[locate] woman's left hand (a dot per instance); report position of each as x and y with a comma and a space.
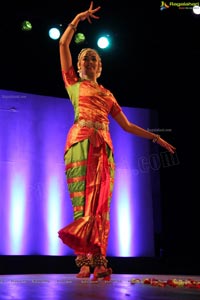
166, 145
90, 13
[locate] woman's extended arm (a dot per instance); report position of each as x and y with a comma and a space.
122, 120
65, 40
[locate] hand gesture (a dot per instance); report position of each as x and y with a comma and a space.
166, 145
90, 13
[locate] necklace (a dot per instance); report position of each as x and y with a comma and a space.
94, 83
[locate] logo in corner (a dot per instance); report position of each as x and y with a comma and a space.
164, 5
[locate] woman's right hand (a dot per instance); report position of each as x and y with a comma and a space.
90, 13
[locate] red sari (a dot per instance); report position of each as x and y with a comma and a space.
90, 169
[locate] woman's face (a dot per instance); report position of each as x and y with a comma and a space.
89, 65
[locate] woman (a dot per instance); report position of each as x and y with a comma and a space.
89, 154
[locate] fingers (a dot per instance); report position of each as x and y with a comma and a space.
167, 146
88, 18
171, 149
91, 5
91, 12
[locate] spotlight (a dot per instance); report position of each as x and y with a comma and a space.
79, 38
54, 33
26, 25
196, 10
103, 42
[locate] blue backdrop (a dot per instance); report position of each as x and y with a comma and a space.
34, 200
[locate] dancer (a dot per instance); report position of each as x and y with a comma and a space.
89, 153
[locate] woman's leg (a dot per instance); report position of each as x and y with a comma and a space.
77, 171
100, 268
76, 166
100, 262
83, 261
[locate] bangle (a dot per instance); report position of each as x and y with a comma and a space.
156, 138
72, 26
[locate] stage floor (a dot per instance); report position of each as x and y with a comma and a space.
120, 287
